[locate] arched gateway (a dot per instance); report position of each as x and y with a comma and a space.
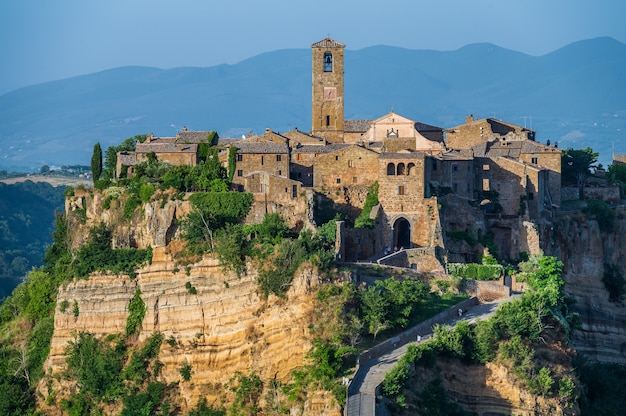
401, 233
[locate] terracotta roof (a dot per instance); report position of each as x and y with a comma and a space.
356, 126
328, 43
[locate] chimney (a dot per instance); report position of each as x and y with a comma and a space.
184, 129
469, 119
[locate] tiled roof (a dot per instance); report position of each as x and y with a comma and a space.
222, 142
194, 136
166, 148
328, 43
356, 126
262, 147
331, 147
298, 136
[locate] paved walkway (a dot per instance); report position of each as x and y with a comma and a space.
362, 389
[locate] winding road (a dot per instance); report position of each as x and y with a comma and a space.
361, 399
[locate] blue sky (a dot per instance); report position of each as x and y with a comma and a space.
43, 40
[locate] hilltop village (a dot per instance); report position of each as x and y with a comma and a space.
484, 178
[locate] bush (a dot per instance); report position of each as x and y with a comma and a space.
145, 192
185, 371
136, 313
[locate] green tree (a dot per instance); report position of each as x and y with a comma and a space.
44, 170
576, 167
96, 162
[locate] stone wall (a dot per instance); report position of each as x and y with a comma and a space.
609, 193
350, 166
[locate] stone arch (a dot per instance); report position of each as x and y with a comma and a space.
411, 169
400, 168
391, 169
402, 233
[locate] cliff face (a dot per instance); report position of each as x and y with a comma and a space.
491, 390
584, 250
225, 327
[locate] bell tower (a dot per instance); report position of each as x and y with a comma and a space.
327, 79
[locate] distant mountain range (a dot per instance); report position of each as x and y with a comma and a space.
575, 96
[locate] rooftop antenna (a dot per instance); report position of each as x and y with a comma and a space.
524, 117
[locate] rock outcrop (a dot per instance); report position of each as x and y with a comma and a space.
584, 250
490, 390
224, 327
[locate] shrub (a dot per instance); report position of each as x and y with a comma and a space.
364, 220
130, 206
185, 371
136, 313
145, 192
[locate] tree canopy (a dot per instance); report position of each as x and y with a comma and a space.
576, 167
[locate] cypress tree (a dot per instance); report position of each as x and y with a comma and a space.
96, 162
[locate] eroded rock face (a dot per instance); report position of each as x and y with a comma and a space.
585, 250
491, 390
223, 328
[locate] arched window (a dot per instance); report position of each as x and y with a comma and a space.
400, 168
411, 169
328, 62
391, 169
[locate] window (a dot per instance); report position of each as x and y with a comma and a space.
434, 165
533, 160
401, 190
400, 168
338, 180
262, 158
336, 157
327, 120
239, 158
454, 168
280, 173
485, 167
350, 164
485, 184
531, 196
328, 62
391, 169
354, 179
278, 158
294, 191
240, 172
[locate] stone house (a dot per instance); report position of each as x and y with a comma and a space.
265, 153
177, 151
349, 165
475, 132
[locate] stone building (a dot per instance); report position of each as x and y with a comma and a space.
183, 149
475, 132
268, 153
350, 165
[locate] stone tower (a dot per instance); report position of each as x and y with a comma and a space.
327, 79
